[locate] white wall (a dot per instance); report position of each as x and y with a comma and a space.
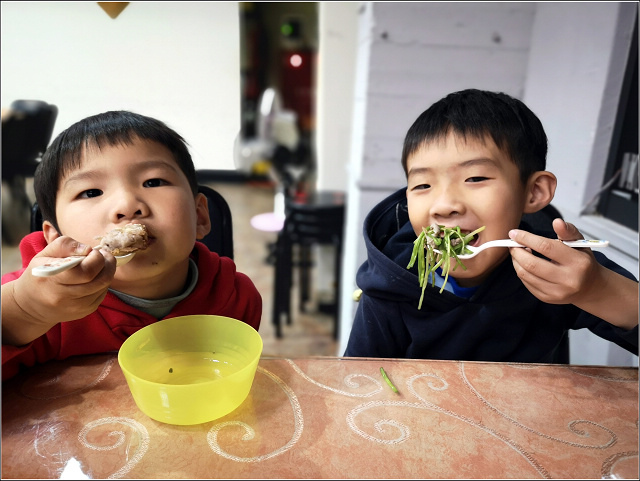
335, 84
558, 57
176, 61
579, 52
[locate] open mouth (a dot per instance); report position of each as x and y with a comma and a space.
475, 241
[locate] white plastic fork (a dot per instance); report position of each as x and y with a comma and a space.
65, 263
589, 243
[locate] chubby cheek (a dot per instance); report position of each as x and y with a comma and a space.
179, 227
185, 217
500, 213
80, 228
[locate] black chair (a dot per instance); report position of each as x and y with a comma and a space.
26, 132
317, 220
219, 240
36, 218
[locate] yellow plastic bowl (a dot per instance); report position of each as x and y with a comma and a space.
191, 369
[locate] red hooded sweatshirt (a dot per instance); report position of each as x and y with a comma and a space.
220, 290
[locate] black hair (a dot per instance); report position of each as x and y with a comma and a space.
514, 128
106, 129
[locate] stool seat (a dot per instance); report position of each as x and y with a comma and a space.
313, 219
267, 222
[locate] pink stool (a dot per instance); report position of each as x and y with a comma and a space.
268, 222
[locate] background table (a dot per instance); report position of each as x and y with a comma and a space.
333, 418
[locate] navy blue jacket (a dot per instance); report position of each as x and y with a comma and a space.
501, 321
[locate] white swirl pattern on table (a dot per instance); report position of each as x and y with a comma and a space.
120, 438
212, 435
405, 432
610, 463
572, 425
348, 380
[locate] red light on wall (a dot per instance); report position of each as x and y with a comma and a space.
295, 60
296, 84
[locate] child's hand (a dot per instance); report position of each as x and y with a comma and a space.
32, 305
574, 276
566, 274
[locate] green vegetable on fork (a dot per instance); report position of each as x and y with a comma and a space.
434, 247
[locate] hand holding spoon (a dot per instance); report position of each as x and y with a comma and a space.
126, 240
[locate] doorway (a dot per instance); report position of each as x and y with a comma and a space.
278, 48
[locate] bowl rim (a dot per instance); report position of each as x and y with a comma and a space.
251, 365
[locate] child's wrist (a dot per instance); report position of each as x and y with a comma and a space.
19, 325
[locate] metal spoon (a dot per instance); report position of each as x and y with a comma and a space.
590, 243
65, 263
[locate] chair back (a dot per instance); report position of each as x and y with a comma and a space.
219, 240
25, 136
322, 225
319, 220
36, 218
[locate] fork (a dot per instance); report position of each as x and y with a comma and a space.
589, 243
65, 263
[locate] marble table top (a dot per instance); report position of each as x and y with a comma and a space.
332, 418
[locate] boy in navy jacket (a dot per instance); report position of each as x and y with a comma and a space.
473, 159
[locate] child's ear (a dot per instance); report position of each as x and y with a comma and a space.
541, 187
203, 222
50, 232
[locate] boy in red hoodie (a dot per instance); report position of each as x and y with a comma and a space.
102, 173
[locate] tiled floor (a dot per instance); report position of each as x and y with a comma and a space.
309, 333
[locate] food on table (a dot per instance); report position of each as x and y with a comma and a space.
124, 240
386, 378
441, 244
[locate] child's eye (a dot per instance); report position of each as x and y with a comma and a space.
422, 187
476, 179
155, 183
90, 193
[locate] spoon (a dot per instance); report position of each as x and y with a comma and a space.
590, 243
65, 263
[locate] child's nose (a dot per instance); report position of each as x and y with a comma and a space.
128, 206
447, 202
